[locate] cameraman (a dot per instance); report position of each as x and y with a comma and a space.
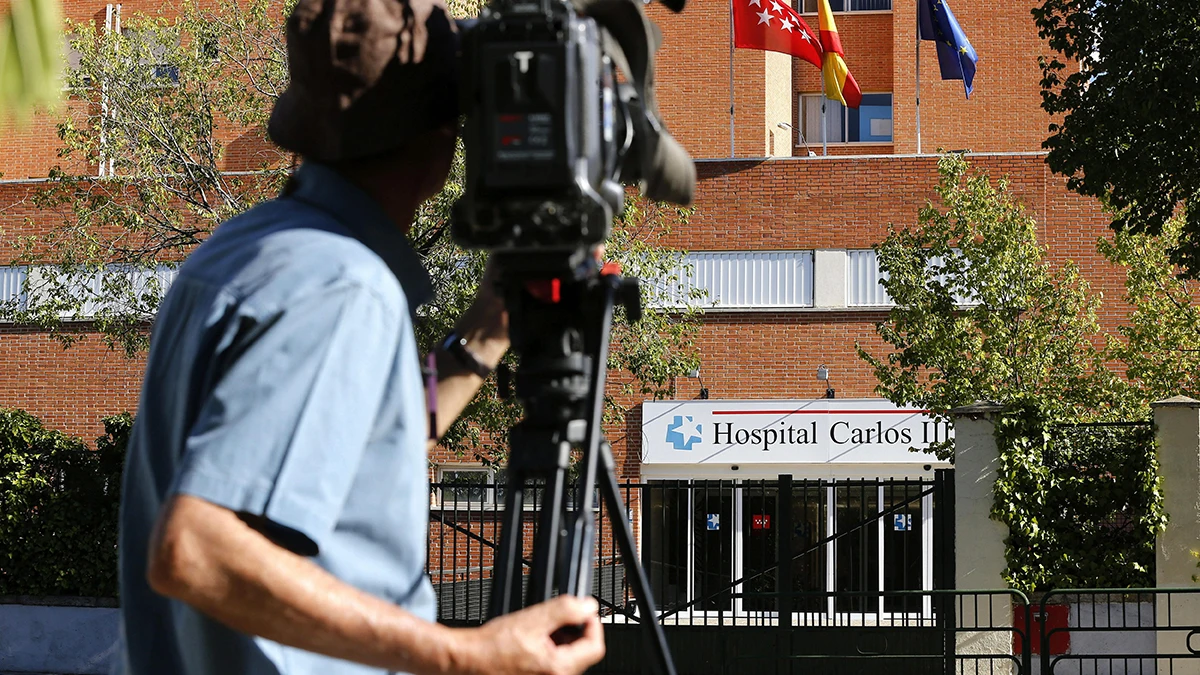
275, 507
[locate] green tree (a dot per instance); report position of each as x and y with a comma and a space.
980, 314
157, 110
1159, 342
154, 111
1127, 132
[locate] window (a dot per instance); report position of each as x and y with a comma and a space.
738, 280
118, 288
12, 287
870, 123
73, 58
153, 49
810, 6
865, 287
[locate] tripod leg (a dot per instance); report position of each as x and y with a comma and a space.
507, 574
623, 534
549, 536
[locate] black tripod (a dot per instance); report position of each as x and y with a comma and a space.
560, 329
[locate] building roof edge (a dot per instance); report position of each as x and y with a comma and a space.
927, 155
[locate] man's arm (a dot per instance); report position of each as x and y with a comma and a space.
484, 326
206, 556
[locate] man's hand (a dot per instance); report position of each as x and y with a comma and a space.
521, 644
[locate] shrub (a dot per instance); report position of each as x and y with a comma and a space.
59, 502
1083, 503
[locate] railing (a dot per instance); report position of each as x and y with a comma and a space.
747, 623
1119, 631
465, 522
712, 549
943, 632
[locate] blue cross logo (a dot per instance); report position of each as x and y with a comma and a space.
683, 431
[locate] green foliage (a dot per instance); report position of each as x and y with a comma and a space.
1127, 131
1083, 504
153, 107
1159, 342
981, 315
31, 56
60, 502
645, 357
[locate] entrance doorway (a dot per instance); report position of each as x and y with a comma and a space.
717, 547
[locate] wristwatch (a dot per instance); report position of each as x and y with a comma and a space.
456, 345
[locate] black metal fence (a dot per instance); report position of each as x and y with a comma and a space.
963, 632
465, 520
1119, 631
717, 555
722, 551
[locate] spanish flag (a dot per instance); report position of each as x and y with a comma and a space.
839, 83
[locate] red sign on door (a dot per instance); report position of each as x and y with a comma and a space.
760, 522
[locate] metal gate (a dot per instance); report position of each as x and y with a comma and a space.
777, 576
804, 576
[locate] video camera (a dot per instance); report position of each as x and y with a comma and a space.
552, 132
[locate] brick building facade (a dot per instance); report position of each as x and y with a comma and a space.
774, 198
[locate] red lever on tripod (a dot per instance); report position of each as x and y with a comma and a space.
546, 290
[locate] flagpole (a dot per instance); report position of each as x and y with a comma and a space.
731, 79
824, 117
917, 7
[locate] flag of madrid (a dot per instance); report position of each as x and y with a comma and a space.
773, 25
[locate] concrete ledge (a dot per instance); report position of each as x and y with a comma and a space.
1176, 402
978, 408
64, 640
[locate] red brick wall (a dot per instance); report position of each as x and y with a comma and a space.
69, 389
741, 205
29, 148
795, 203
694, 84
1003, 114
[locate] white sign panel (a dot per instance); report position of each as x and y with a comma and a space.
825, 431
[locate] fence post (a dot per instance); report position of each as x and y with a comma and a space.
979, 557
943, 565
784, 537
1177, 420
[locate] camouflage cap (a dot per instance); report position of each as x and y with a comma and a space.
366, 76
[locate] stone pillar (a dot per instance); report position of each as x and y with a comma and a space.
1178, 422
979, 540
778, 104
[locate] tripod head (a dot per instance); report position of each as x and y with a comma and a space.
556, 319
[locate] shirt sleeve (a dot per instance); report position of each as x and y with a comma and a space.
282, 431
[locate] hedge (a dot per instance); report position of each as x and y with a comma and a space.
1083, 503
59, 502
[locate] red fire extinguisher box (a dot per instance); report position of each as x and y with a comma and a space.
1056, 627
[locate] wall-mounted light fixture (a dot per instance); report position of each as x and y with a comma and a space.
787, 127
823, 376
695, 374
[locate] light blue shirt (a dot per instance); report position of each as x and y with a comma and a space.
283, 381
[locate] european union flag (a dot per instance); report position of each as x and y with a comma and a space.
956, 56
